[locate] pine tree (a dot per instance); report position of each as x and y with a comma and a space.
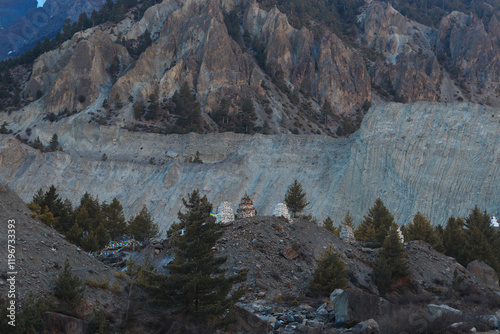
348, 221
391, 258
379, 221
69, 287
330, 274
454, 238
295, 198
142, 226
197, 285
328, 224
421, 229
54, 143
477, 247
114, 219
75, 234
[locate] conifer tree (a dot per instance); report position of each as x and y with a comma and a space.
328, 224
197, 285
390, 259
142, 226
75, 234
477, 247
69, 287
295, 198
454, 238
420, 229
114, 219
54, 143
348, 221
330, 274
376, 224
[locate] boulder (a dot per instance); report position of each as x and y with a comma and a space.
352, 306
484, 273
247, 322
59, 323
437, 311
366, 327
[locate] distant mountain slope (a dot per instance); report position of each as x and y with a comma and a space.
21, 34
12, 10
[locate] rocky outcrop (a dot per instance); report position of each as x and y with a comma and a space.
473, 56
59, 323
408, 67
434, 158
352, 306
72, 77
484, 273
332, 72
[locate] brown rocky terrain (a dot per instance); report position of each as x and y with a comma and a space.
40, 253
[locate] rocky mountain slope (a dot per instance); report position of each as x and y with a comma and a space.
40, 253
128, 72
429, 157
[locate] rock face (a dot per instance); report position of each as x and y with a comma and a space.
484, 273
425, 157
60, 323
333, 73
87, 57
408, 66
352, 306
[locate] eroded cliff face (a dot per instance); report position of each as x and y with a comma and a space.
74, 76
459, 61
408, 66
434, 158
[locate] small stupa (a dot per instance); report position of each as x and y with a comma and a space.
225, 213
280, 210
494, 222
246, 208
347, 234
400, 235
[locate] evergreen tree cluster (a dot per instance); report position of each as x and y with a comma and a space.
240, 121
197, 287
375, 226
91, 224
472, 238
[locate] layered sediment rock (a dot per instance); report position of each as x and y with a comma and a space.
434, 158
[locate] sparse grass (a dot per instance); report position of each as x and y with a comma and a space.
120, 274
116, 288
96, 284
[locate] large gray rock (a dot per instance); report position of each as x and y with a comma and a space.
484, 273
247, 322
437, 311
352, 306
366, 327
60, 323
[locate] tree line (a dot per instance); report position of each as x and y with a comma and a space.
91, 224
